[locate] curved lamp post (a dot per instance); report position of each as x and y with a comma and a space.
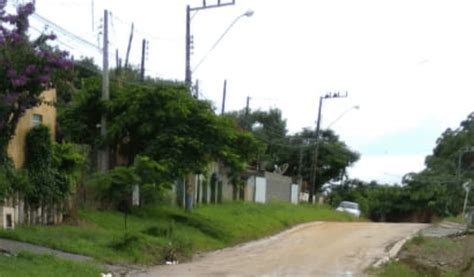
248, 13
356, 107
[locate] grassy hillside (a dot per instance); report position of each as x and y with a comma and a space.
159, 233
28, 264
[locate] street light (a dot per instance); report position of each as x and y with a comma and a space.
314, 170
356, 107
248, 13
189, 9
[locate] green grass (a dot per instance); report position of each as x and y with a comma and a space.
426, 249
160, 232
27, 264
429, 246
457, 219
394, 269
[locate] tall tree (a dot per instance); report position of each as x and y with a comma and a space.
439, 186
27, 68
296, 151
270, 128
334, 156
161, 120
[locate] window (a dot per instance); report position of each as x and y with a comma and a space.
37, 119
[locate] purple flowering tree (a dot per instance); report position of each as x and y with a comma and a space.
27, 68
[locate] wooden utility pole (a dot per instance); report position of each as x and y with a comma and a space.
142, 68
247, 112
224, 94
129, 47
104, 152
314, 168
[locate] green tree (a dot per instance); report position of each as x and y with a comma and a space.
268, 127
27, 68
334, 156
439, 186
158, 119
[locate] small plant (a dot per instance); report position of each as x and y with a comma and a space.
161, 231
418, 240
128, 241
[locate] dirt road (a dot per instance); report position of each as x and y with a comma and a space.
315, 249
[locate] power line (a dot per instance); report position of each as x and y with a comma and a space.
64, 31
144, 33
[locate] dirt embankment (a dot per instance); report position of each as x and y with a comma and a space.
436, 256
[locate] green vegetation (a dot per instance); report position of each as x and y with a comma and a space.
27, 68
435, 191
424, 256
28, 264
432, 246
456, 219
295, 153
156, 233
394, 269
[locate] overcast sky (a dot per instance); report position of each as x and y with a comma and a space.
408, 64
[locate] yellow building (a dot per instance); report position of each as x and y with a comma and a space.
13, 210
44, 114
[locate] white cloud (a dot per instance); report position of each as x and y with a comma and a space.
387, 168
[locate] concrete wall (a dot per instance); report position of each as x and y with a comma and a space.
16, 148
250, 189
278, 187
7, 212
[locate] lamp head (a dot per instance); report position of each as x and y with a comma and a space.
248, 13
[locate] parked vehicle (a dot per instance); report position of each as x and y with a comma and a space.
349, 207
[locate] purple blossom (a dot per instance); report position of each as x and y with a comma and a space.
43, 79
15, 38
33, 63
10, 98
11, 73
26, 10
19, 82
30, 69
51, 37
10, 18
47, 69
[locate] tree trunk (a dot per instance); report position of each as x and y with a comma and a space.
189, 193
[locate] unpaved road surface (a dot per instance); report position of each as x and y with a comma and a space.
315, 249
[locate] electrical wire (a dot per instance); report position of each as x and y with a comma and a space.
64, 31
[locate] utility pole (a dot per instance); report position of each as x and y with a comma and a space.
189, 9
247, 112
187, 79
142, 68
315, 171
300, 163
92, 15
128, 47
224, 94
196, 89
104, 152
188, 82
117, 59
